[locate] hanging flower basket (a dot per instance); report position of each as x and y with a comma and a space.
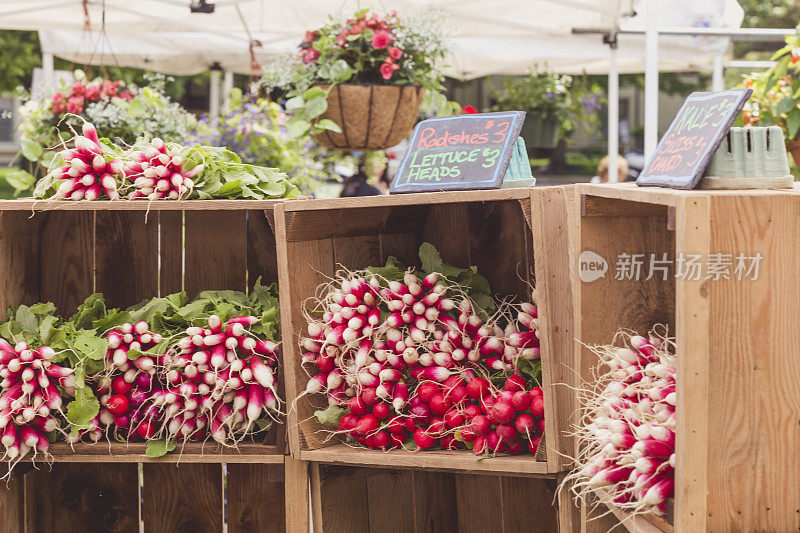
540, 131
372, 116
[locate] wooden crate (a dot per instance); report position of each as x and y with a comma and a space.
347, 499
62, 252
488, 229
737, 466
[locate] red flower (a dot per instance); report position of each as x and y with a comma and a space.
110, 88
395, 53
311, 54
468, 110
310, 36
78, 88
92, 93
387, 71
58, 98
126, 95
382, 39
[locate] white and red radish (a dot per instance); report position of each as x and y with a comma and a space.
88, 172
157, 171
627, 433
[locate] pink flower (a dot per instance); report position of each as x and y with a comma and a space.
311, 54
109, 88
58, 98
382, 39
395, 53
92, 93
310, 36
387, 71
126, 95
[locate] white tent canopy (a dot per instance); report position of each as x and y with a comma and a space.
165, 35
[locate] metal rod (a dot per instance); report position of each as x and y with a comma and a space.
613, 117
651, 80
736, 34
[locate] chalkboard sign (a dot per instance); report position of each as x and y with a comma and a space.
685, 150
459, 152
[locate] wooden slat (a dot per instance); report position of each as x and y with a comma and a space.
555, 260
126, 257
592, 206
261, 259
302, 267
355, 253
12, 505
65, 248
297, 495
29, 204
528, 505
75, 498
255, 502
445, 229
753, 413
191, 452
497, 247
432, 198
390, 508
569, 511
435, 503
182, 498
171, 252
403, 246
457, 461
19, 259
344, 504
658, 195
693, 235
215, 250
480, 506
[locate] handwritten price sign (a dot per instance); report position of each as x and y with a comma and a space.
460, 152
685, 150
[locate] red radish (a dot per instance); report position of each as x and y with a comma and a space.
439, 404
537, 407
423, 439
503, 412
521, 401
477, 388
525, 424
514, 383
480, 425
381, 410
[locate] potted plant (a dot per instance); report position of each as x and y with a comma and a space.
358, 83
776, 96
554, 104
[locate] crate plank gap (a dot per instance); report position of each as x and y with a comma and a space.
63, 252
737, 414
493, 230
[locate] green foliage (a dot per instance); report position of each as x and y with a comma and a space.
159, 448
330, 417
571, 101
19, 55
776, 92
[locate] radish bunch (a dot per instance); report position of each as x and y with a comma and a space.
30, 398
627, 431
400, 357
157, 172
220, 382
128, 382
87, 172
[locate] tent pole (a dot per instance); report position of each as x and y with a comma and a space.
48, 70
227, 87
613, 116
651, 80
213, 94
717, 75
